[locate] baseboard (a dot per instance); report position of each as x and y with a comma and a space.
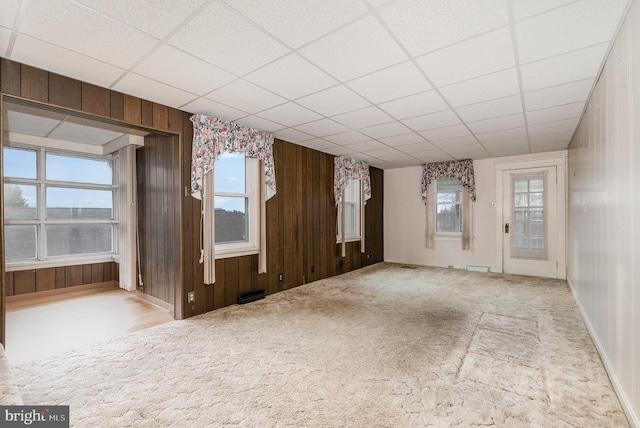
61, 291
632, 416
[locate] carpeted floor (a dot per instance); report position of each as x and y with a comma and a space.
384, 346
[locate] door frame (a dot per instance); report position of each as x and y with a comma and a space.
560, 163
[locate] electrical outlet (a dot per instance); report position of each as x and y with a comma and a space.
191, 296
280, 277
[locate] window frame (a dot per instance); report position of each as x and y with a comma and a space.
443, 234
357, 235
252, 193
41, 222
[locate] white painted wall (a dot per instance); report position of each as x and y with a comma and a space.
404, 218
604, 211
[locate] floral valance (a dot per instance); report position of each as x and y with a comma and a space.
212, 136
462, 170
344, 169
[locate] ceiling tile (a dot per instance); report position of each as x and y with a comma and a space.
426, 25
508, 151
515, 142
306, 20
382, 152
414, 149
5, 35
236, 45
152, 90
497, 123
435, 157
367, 146
292, 136
365, 117
575, 26
317, 144
403, 140
403, 162
81, 133
183, 71
338, 150
551, 147
481, 55
445, 132
260, 123
578, 65
431, 121
506, 134
212, 108
552, 127
291, 77
28, 50
9, 12
558, 95
465, 140
333, 101
391, 83
360, 156
552, 114
23, 123
526, 8
377, 163
289, 114
350, 137
385, 130
322, 127
483, 88
85, 31
415, 105
360, 48
155, 17
245, 96
490, 109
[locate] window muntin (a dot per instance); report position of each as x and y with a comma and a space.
529, 230
448, 206
65, 218
352, 205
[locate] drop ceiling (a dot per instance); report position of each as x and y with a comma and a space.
395, 83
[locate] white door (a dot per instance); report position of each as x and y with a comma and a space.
530, 216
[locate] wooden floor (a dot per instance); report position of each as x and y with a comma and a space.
39, 328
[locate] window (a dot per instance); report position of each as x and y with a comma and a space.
352, 205
236, 203
449, 206
58, 205
528, 231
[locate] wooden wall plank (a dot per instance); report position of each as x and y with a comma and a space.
73, 275
45, 279
9, 77
231, 281
8, 278
107, 270
61, 281
95, 100
132, 109
65, 92
34, 83
160, 116
117, 105
97, 273
86, 274
24, 281
175, 122
245, 274
146, 112
219, 286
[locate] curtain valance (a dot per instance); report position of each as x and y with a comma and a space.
462, 170
344, 169
212, 136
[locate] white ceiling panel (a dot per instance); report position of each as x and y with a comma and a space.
181, 70
490, 109
578, 65
363, 118
292, 135
292, 77
260, 123
391, 83
383, 152
475, 57
415, 105
496, 85
83, 134
575, 26
155, 17
445, 132
306, 20
333, 101
153, 91
347, 138
505, 134
233, 43
80, 30
526, 8
433, 120
9, 12
558, 95
246, 96
403, 140
416, 149
552, 114
289, 114
5, 35
212, 108
497, 123
338, 150
519, 143
549, 147
24, 123
553, 127
435, 157
465, 140
360, 48
366, 146
423, 26
385, 130
317, 144
322, 127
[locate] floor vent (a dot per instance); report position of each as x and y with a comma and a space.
250, 297
473, 268
407, 267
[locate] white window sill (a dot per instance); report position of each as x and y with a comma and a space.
238, 252
75, 261
448, 237
348, 239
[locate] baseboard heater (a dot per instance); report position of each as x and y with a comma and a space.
252, 296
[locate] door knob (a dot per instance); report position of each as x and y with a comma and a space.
506, 228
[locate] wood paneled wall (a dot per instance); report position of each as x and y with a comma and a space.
301, 218
34, 280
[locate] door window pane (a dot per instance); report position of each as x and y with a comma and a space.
528, 228
229, 173
231, 219
85, 204
73, 239
20, 242
20, 202
78, 170
19, 163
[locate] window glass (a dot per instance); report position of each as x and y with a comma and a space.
20, 163
20, 202
20, 243
231, 219
351, 211
448, 206
229, 174
86, 204
78, 170
74, 239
